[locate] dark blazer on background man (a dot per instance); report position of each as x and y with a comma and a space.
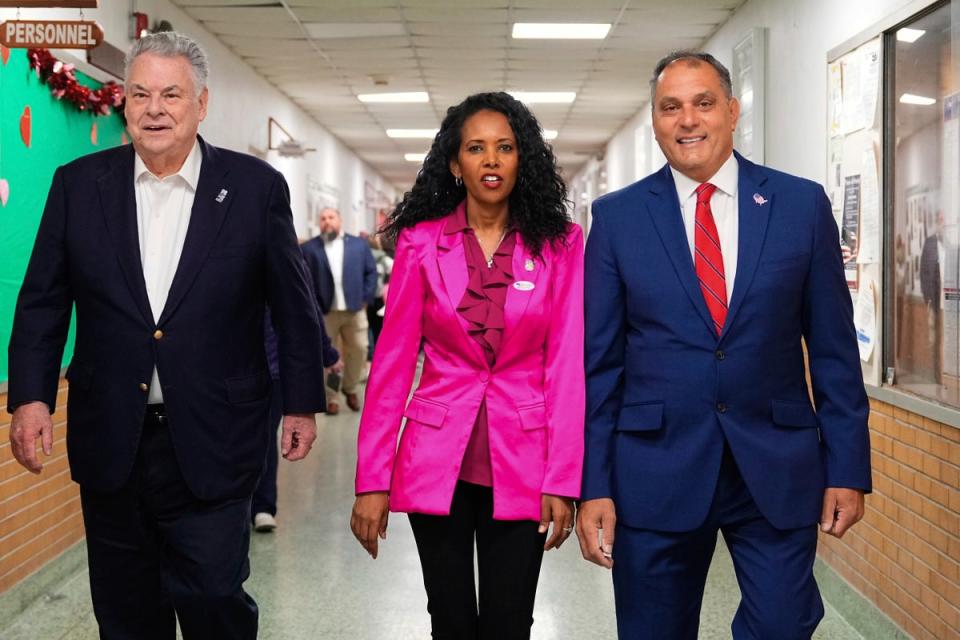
664, 391
240, 255
359, 272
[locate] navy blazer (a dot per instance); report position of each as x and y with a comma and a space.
240, 254
664, 392
359, 273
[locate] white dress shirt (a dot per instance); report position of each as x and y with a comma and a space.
334, 250
163, 214
726, 213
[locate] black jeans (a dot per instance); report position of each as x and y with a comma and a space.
155, 549
509, 553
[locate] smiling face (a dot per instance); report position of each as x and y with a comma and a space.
488, 160
693, 119
163, 110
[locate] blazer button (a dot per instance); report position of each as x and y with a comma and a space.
484, 378
722, 408
157, 334
144, 386
720, 354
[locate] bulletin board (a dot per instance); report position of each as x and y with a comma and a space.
854, 185
38, 133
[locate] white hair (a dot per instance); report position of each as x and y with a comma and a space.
170, 44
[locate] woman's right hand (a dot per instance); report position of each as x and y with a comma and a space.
369, 519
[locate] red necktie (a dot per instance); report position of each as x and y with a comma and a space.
709, 259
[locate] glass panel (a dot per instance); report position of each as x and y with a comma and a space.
926, 308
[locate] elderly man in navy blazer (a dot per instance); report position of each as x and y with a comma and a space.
170, 250
703, 283
345, 279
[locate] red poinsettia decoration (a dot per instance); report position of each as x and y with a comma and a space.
63, 84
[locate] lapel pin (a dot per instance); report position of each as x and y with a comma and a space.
223, 194
759, 199
528, 265
523, 285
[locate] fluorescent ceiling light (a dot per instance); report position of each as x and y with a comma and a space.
550, 134
545, 97
415, 157
408, 96
909, 98
909, 35
411, 133
330, 30
560, 31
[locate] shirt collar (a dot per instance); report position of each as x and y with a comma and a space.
457, 220
725, 179
189, 171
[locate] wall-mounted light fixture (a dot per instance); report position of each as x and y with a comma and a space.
288, 147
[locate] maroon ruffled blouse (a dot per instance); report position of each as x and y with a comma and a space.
482, 307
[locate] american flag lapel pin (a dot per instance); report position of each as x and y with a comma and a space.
222, 195
759, 199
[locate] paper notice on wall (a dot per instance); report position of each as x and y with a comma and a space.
870, 81
869, 249
865, 321
851, 115
850, 229
835, 96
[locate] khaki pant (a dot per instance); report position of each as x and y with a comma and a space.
348, 330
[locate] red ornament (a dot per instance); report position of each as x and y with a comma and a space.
61, 79
25, 128
4, 54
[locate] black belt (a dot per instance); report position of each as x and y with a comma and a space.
156, 414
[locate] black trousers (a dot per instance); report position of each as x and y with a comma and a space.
265, 495
157, 554
509, 553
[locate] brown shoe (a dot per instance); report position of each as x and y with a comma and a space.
353, 401
333, 408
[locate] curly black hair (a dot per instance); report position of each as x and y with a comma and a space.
538, 202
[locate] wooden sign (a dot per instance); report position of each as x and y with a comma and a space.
50, 4
50, 34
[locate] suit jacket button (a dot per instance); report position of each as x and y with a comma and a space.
720, 354
484, 378
157, 334
722, 408
144, 386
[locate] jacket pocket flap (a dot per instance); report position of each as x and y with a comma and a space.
793, 414
248, 388
533, 416
426, 412
80, 377
641, 417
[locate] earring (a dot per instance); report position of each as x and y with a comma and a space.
458, 181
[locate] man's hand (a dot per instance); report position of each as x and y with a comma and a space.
369, 519
336, 367
595, 518
559, 511
842, 508
299, 432
31, 422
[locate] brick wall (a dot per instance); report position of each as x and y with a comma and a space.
905, 554
39, 515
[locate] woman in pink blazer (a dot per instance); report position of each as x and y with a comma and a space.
488, 281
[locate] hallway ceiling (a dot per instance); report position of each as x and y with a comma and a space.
320, 54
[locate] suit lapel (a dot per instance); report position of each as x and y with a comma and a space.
119, 206
754, 205
668, 221
517, 301
210, 205
452, 264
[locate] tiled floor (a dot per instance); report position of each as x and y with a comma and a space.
312, 580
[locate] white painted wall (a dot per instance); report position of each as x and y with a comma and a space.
799, 35
240, 103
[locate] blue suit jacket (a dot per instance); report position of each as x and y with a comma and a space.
240, 255
664, 392
359, 272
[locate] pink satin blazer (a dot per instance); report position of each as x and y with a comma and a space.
534, 392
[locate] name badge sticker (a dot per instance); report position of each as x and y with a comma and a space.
523, 285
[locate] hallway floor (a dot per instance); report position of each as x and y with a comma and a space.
311, 579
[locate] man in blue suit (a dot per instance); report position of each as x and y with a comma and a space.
345, 281
169, 250
703, 283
